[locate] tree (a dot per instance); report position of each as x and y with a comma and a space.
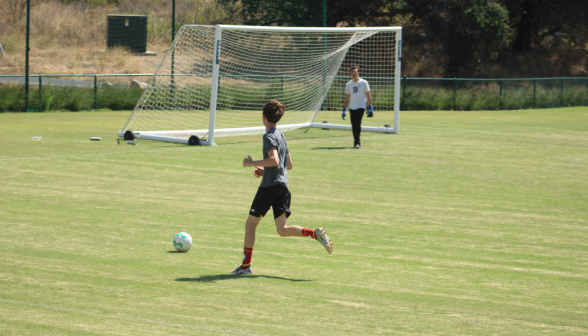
466, 32
305, 13
477, 30
355, 12
461, 33
537, 22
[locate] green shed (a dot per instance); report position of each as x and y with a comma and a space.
128, 31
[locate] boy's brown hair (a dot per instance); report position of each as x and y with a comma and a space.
353, 68
273, 111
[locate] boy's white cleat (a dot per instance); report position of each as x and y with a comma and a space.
240, 270
322, 238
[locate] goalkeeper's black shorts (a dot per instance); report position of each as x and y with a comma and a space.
277, 197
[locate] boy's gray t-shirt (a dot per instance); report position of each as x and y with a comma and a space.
278, 174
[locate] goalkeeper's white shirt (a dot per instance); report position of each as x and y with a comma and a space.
356, 92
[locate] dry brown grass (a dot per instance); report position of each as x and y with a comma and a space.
71, 38
66, 38
88, 59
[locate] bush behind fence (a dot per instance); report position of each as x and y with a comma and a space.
492, 94
75, 93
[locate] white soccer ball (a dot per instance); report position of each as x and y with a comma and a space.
182, 242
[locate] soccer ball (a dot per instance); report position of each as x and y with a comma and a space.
182, 242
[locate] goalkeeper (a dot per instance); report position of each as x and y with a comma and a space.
273, 191
357, 91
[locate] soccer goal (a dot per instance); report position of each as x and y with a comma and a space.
214, 81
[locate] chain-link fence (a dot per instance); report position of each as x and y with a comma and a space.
72, 92
122, 92
492, 94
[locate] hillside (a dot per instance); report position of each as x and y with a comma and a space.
69, 37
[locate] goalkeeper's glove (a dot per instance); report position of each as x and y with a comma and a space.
370, 111
343, 115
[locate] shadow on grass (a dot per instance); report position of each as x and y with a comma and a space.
215, 278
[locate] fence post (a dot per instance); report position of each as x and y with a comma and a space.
562, 92
402, 102
534, 91
500, 103
95, 91
40, 92
454, 91
27, 54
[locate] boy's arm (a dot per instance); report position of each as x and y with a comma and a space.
347, 97
258, 171
368, 95
272, 161
346, 102
289, 164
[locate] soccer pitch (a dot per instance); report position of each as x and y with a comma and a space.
465, 223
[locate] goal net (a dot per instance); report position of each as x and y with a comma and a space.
215, 80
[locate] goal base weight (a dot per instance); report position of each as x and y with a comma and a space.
189, 142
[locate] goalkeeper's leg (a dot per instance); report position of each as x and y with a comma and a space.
356, 116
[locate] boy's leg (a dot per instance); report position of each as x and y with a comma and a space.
354, 126
281, 208
356, 116
250, 226
259, 208
294, 230
287, 231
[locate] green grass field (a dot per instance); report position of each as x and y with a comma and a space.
465, 223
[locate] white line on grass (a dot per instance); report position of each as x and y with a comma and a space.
129, 318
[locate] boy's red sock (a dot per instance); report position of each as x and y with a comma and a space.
247, 257
308, 233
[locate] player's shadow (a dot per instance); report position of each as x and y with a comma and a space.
215, 278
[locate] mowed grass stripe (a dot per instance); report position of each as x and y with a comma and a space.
180, 326
465, 223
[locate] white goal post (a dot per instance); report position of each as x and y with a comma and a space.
215, 80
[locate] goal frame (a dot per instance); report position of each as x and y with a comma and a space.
312, 124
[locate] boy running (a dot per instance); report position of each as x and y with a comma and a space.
273, 191
356, 93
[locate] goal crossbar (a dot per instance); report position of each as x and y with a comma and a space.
304, 29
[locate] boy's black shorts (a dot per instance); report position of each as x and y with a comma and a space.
277, 196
